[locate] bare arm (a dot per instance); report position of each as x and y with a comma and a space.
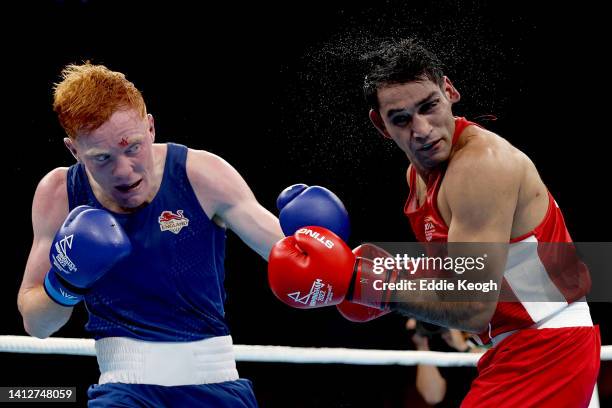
42, 316
481, 191
483, 212
429, 382
226, 197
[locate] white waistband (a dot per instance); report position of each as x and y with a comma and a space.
132, 361
576, 314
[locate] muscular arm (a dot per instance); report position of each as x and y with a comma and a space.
226, 197
42, 316
482, 187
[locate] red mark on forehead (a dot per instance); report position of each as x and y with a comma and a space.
123, 142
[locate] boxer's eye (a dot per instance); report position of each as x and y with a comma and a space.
134, 148
400, 120
429, 106
101, 158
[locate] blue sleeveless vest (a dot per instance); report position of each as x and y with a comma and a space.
170, 288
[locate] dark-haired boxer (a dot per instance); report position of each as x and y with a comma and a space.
467, 185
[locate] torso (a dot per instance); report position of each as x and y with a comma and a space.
537, 219
170, 288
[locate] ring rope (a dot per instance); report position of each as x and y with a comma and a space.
271, 354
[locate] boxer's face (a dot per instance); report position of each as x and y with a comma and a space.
118, 157
418, 117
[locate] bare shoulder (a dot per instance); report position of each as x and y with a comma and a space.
215, 182
200, 162
207, 171
484, 171
487, 156
50, 204
505, 178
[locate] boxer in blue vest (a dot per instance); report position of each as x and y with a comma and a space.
136, 230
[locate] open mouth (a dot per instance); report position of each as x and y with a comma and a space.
429, 146
128, 187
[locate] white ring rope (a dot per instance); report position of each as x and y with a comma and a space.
271, 354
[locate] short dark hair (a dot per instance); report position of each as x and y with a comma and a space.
399, 62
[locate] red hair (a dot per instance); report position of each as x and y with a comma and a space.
89, 94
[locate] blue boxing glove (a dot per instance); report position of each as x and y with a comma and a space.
87, 245
300, 206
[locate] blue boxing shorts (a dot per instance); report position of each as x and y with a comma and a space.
228, 394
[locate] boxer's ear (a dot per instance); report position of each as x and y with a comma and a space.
450, 91
378, 123
69, 143
151, 122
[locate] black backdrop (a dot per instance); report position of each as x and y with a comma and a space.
275, 90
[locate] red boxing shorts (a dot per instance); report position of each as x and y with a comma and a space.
538, 368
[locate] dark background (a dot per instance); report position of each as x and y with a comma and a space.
276, 91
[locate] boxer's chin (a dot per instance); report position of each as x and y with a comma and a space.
132, 198
435, 156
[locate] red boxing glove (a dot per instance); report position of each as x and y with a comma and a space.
312, 268
354, 311
315, 268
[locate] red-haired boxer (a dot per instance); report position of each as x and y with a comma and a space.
146, 254
467, 185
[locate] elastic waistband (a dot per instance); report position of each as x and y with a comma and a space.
132, 361
576, 314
